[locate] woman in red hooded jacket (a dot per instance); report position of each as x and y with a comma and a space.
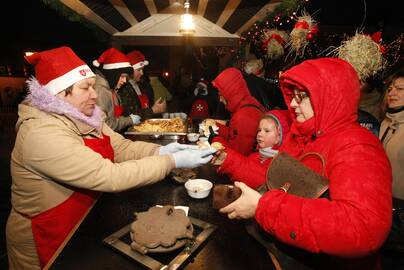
352, 224
245, 111
251, 170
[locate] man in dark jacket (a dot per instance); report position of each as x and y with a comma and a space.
266, 91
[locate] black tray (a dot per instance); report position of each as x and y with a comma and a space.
173, 260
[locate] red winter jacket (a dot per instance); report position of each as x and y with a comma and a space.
242, 127
252, 169
356, 218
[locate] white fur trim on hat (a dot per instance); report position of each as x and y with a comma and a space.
96, 63
68, 79
116, 65
141, 64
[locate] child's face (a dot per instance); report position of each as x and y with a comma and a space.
268, 133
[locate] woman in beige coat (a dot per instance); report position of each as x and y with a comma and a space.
65, 155
392, 136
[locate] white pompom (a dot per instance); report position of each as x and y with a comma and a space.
96, 63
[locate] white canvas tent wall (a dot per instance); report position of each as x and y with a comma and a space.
159, 22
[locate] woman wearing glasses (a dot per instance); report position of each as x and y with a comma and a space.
350, 225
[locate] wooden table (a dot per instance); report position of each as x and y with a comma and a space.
229, 247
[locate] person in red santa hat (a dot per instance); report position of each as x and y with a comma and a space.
113, 72
65, 155
251, 170
137, 95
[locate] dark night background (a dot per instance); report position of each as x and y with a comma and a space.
30, 25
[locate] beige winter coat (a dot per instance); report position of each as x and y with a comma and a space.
106, 103
394, 146
50, 160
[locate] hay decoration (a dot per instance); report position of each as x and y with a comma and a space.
274, 42
303, 31
254, 66
364, 54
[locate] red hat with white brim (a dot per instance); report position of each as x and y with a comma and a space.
137, 59
112, 59
57, 69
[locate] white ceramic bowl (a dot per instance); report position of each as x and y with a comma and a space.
198, 188
192, 137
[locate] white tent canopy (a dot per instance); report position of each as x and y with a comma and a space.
164, 29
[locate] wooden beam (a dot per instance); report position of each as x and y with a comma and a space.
202, 7
123, 9
172, 41
228, 10
86, 12
261, 14
151, 6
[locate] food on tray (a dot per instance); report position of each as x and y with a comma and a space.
160, 229
205, 124
217, 145
161, 125
182, 175
209, 122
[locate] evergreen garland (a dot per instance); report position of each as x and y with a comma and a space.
72, 16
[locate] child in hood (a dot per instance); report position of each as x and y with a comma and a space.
273, 128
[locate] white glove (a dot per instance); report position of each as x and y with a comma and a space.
193, 158
135, 118
175, 147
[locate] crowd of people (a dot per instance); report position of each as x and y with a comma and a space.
69, 148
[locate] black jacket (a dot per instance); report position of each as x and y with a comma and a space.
265, 91
131, 103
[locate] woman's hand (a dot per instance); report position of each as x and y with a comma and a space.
213, 122
174, 147
245, 206
222, 122
219, 158
159, 106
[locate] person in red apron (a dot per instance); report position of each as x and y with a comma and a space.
113, 72
137, 95
65, 156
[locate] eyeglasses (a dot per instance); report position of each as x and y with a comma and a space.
299, 95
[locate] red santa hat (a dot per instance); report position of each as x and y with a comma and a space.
137, 59
112, 59
59, 68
